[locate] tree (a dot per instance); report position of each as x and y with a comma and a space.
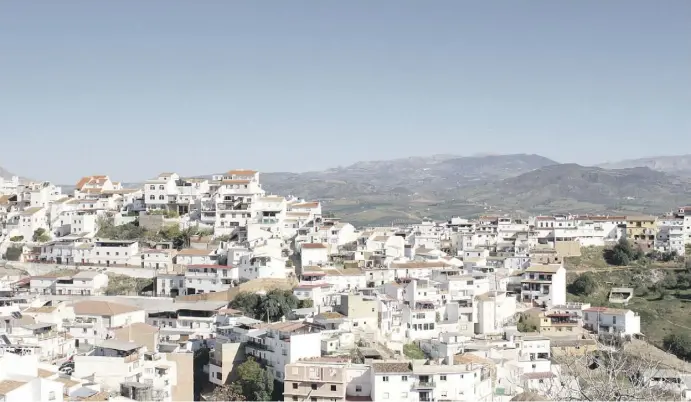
16, 238
526, 324
584, 285
305, 303
413, 351
201, 358
270, 307
678, 344
13, 253
40, 236
254, 383
607, 373
231, 392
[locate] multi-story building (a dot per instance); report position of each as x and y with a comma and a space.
235, 200
86, 283
457, 380
641, 230
207, 278
603, 320
195, 320
544, 284
282, 343
326, 380
670, 234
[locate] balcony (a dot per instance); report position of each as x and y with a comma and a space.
424, 385
132, 358
216, 362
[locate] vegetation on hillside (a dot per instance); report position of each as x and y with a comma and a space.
126, 285
40, 236
661, 298
180, 238
270, 307
527, 323
413, 351
584, 285
253, 383
623, 253
13, 253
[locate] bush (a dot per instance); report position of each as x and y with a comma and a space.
40, 236
584, 285
623, 254
413, 351
678, 344
16, 238
13, 253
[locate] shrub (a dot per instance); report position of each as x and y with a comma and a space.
584, 285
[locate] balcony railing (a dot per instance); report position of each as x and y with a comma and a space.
424, 384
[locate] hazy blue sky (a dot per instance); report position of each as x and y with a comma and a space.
133, 88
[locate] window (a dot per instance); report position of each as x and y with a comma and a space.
295, 398
442, 378
218, 375
358, 388
404, 378
333, 387
51, 395
313, 399
314, 386
160, 197
152, 197
385, 378
152, 187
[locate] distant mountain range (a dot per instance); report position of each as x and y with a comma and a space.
441, 186
679, 165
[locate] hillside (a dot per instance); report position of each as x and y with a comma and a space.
406, 177
5, 174
676, 164
571, 187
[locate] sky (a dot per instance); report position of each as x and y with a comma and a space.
134, 88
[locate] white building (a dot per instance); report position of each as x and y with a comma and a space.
406, 381
544, 284
84, 283
205, 279
22, 380
670, 235
282, 343
603, 320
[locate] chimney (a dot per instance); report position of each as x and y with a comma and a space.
449, 356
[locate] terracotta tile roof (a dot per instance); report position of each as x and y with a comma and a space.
69, 383
31, 211
313, 245
419, 264
329, 315
87, 179
7, 386
549, 268
194, 251
99, 396
241, 172
306, 205
44, 309
392, 367
469, 358
234, 181
45, 373
102, 308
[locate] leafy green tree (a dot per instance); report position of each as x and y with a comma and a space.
13, 253
254, 382
40, 236
270, 307
525, 324
306, 303
16, 238
678, 344
413, 351
584, 285
231, 392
